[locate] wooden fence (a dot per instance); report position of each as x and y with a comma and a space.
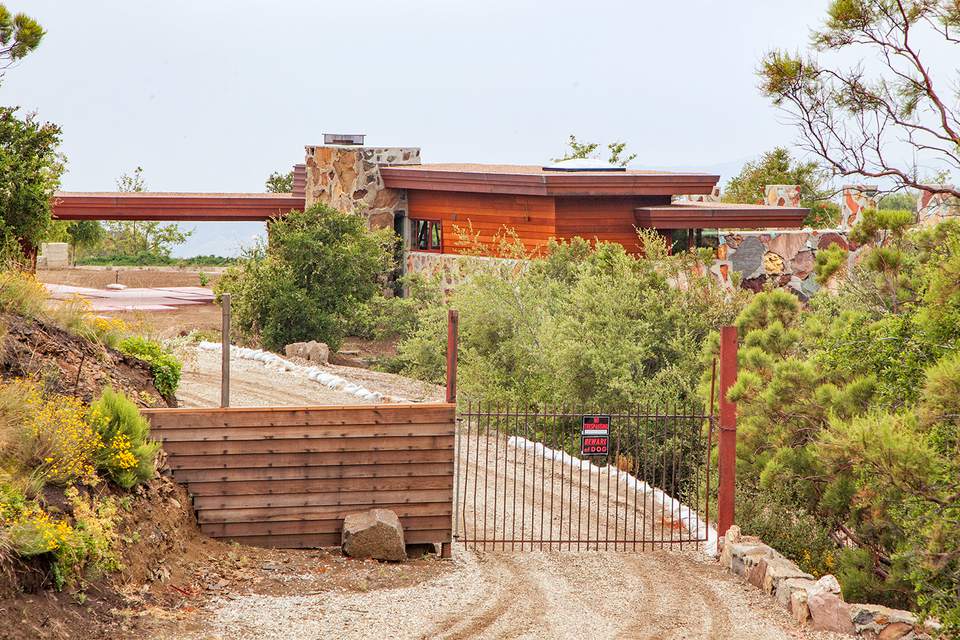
287, 476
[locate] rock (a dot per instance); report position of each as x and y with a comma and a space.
785, 589
757, 573
746, 556
313, 351
779, 570
828, 239
828, 611
733, 535
788, 245
772, 263
731, 538
116, 286
373, 534
875, 621
798, 606
748, 258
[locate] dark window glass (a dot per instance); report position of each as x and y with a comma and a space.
427, 235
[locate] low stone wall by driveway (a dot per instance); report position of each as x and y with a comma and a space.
817, 603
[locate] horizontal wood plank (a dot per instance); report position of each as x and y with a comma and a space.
326, 485
369, 499
333, 525
317, 445
276, 460
412, 413
317, 512
316, 541
214, 434
306, 472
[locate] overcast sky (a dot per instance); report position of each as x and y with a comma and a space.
213, 95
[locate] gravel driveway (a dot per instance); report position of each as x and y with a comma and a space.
495, 594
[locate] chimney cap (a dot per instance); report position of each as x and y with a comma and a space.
343, 138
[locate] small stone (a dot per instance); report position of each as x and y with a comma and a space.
798, 606
116, 286
829, 612
786, 589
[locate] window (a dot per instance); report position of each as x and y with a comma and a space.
680, 240
427, 235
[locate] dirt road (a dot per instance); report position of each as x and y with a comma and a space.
529, 594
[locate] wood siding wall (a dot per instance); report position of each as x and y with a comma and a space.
609, 218
531, 217
287, 476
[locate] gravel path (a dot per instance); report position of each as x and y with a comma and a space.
496, 594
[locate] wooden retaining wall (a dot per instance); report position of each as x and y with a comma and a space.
287, 476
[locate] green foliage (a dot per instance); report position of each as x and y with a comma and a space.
320, 266
902, 200
22, 293
582, 150
280, 182
146, 259
30, 170
128, 456
848, 412
586, 325
19, 35
163, 365
779, 167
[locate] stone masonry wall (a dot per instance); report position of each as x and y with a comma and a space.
348, 178
933, 208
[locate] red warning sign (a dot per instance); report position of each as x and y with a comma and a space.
595, 436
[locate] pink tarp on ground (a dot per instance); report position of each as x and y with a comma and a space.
149, 299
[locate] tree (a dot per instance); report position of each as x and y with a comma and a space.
132, 237
19, 35
583, 150
280, 182
319, 266
779, 167
854, 119
30, 170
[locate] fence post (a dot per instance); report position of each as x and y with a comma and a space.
225, 351
728, 430
453, 328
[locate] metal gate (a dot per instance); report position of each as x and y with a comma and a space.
526, 480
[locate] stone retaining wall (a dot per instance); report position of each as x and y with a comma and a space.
817, 603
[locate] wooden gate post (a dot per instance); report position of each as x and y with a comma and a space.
453, 329
728, 430
225, 351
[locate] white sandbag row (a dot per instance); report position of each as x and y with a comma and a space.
318, 375
687, 517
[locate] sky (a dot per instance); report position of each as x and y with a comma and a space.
214, 95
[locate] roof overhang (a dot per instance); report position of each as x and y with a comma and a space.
524, 180
717, 215
176, 207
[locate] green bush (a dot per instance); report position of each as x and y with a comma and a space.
164, 366
128, 456
320, 266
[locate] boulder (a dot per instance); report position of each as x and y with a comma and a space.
313, 351
745, 556
373, 534
779, 570
876, 621
798, 606
828, 611
786, 589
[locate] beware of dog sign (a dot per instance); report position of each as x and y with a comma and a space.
595, 436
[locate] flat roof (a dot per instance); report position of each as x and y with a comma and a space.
521, 179
714, 215
167, 206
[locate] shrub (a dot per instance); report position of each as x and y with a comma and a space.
128, 456
22, 293
64, 442
164, 366
320, 265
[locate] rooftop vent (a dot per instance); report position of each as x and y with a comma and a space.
343, 138
583, 164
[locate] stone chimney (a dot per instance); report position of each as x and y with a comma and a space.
347, 177
933, 208
856, 198
782, 195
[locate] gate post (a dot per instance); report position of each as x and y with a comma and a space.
453, 329
728, 430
